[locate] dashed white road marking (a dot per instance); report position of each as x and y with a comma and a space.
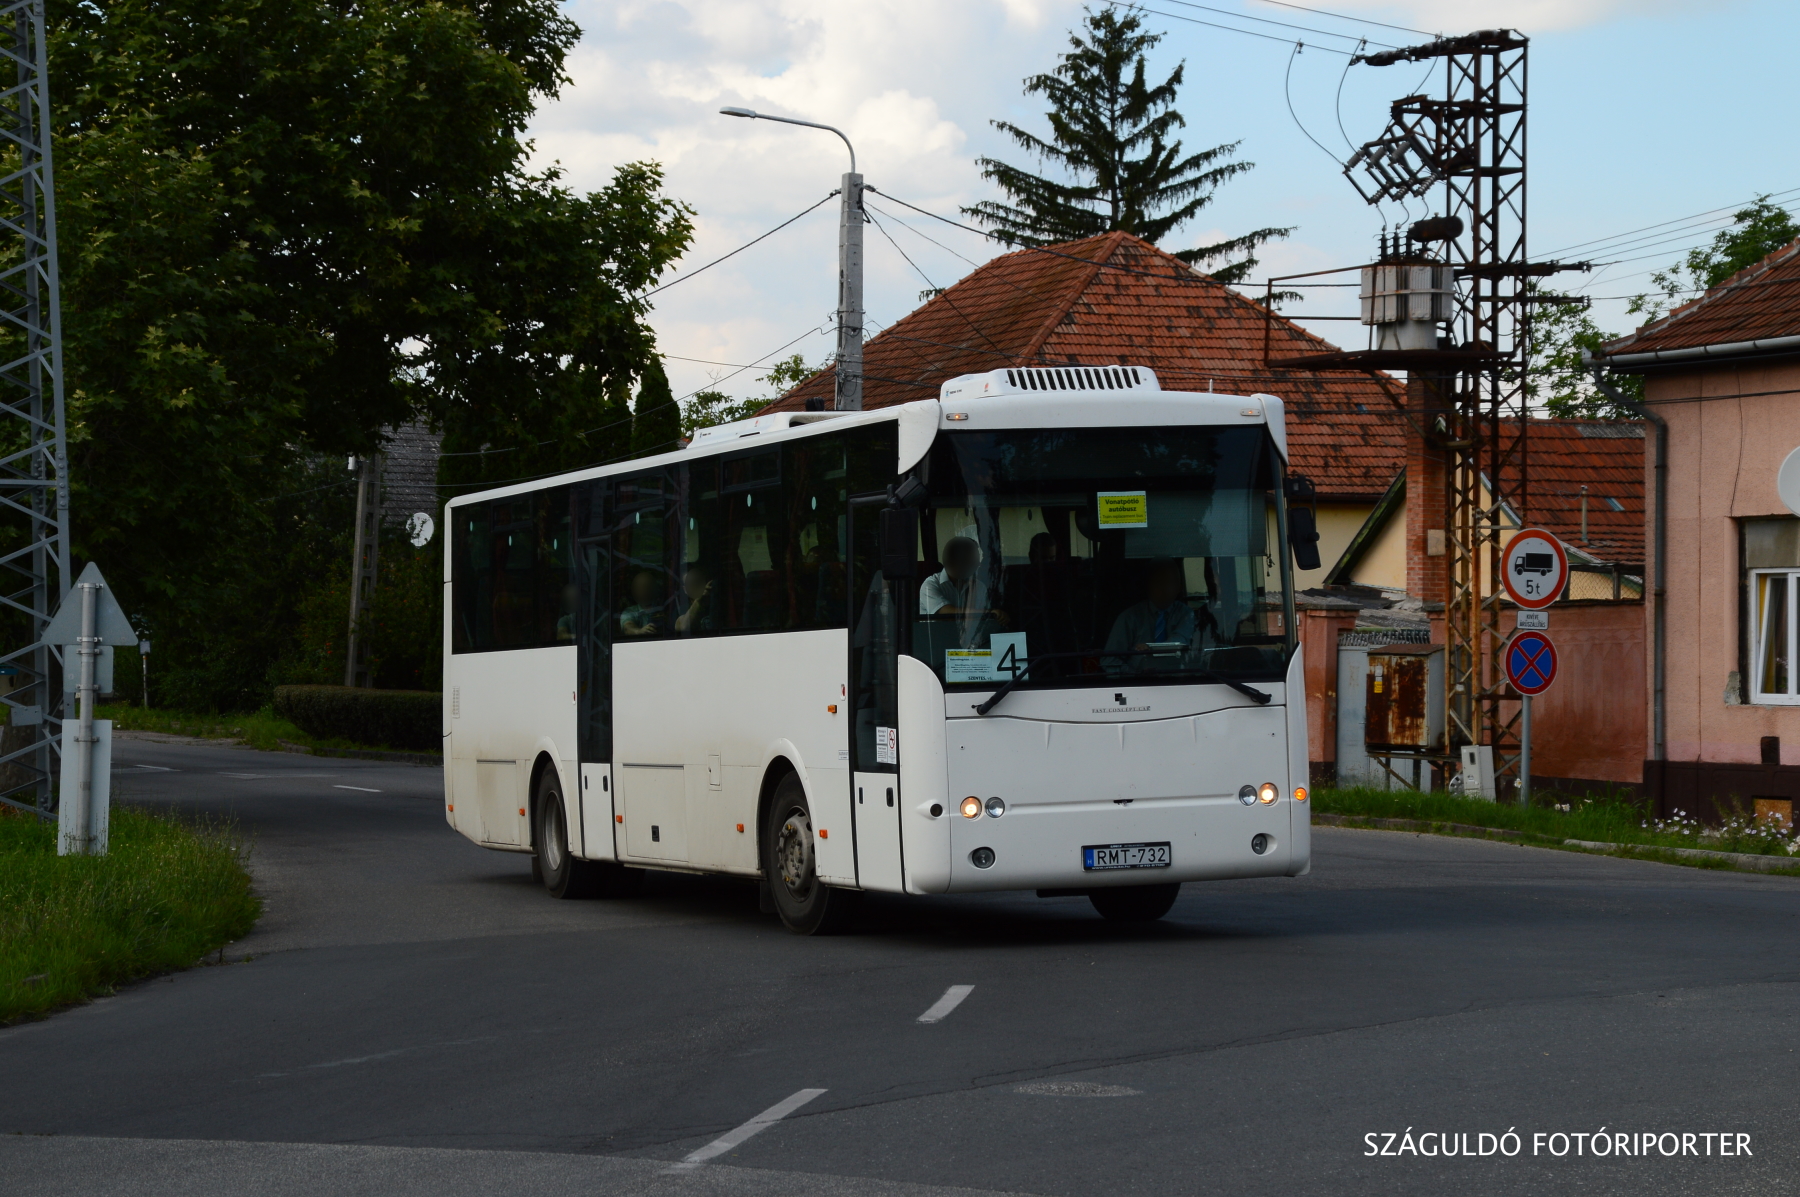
953, 997
358, 789
157, 768
244, 776
761, 1122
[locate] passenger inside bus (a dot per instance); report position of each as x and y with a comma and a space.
1162, 627
696, 587
645, 615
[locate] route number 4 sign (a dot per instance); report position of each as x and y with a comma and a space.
1534, 569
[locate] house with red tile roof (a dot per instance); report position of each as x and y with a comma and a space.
1721, 377
1585, 485
1117, 300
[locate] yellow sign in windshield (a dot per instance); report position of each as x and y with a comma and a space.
1123, 508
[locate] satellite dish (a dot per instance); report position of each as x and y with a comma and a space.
1787, 482
421, 528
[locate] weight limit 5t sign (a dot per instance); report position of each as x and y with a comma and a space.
1534, 569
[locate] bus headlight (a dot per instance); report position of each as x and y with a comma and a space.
971, 807
1267, 793
995, 808
1247, 795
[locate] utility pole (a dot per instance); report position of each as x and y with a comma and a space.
364, 558
34, 470
850, 293
850, 267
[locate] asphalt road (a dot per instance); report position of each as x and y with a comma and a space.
414, 1016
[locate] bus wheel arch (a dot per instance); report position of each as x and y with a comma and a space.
806, 904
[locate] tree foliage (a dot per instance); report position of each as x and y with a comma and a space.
1560, 382
1754, 233
287, 225
656, 424
1113, 134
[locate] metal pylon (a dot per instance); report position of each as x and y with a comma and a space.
34, 469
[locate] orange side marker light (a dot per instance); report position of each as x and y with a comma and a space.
1299, 793
832, 708
823, 834
740, 828
618, 818
521, 810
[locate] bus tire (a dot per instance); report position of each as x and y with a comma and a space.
1135, 903
807, 906
552, 863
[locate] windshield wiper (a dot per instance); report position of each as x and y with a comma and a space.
1251, 692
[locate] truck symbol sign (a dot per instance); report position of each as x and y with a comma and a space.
1541, 564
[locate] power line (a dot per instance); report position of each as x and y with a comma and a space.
1345, 17
1268, 37
1244, 16
734, 253
1287, 91
1677, 220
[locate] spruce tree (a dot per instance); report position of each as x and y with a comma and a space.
1113, 134
656, 424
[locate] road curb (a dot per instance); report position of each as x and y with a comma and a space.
365, 754
1741, 860
1422, 825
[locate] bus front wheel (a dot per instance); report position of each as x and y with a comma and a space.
562, 874
806, 905
1135, 903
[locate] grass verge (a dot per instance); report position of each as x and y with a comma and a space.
262, 729
1601, 818
168, 893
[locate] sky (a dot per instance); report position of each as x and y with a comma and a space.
1642, 113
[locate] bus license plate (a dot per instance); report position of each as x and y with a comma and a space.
1096, 857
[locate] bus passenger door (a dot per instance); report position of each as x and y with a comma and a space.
593, 695
875, 627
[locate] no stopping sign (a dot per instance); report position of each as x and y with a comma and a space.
1530, 662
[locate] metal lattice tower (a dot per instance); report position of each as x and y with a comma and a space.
34, 477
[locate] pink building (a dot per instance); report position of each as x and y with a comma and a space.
1721, 376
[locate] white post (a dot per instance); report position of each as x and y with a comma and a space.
850, 296
80, 840
1525, 753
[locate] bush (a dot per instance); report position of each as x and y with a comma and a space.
410, 719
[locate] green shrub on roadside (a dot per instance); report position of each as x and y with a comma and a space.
410, 719
167, 894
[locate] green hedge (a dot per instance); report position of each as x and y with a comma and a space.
410, 719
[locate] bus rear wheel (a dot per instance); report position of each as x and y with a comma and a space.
807, 906
1135, 903
562, 874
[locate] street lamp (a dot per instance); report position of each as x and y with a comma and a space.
850, 268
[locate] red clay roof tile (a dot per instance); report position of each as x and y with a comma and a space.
1759, 301
1114, 299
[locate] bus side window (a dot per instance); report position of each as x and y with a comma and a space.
642, 594
512, 590
555, 585
755, 542
471, 591
700, 520
817, 522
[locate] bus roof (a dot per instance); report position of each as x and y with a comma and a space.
1039, 396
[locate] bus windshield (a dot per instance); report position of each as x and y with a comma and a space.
1114, 554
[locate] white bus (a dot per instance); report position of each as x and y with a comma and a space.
1036, 633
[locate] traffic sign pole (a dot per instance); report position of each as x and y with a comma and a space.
1525, 754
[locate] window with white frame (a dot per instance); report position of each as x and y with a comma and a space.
1772, 573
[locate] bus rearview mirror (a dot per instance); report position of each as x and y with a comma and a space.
1303, 534
899, 542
